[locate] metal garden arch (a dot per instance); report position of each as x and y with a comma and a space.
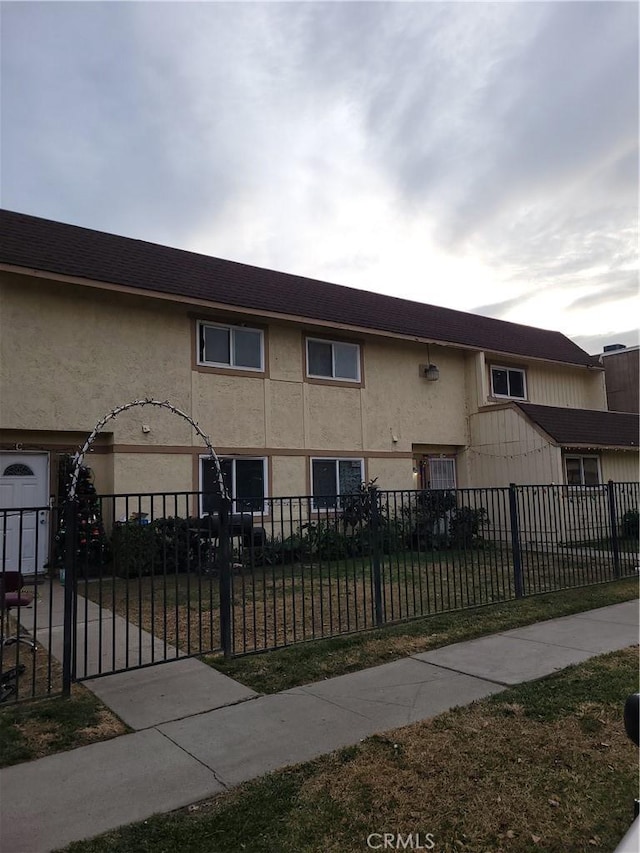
69, 592
78, 459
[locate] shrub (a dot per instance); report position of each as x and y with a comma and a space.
135, 549
426, 518
631, 524
464, 526
166, 544
276, 552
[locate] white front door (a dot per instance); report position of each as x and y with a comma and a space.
24, 536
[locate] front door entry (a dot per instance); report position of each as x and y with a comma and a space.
24, 536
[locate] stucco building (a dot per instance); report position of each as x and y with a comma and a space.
304, 387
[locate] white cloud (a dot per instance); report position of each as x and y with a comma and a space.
467, 155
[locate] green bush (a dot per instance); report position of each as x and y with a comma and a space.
165, 544
464, 526
276, 552
135, 548
631, 524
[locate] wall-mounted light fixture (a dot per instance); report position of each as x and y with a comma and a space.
432, 373
430, 370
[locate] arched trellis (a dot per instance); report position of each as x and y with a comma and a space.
78, 458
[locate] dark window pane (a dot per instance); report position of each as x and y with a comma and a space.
346, 356
516, 383
211, 491
324, 482
499, 381
18, 470
320, 361
247, 348
249, 494
350, 476
590, 470
216, 345
574, 471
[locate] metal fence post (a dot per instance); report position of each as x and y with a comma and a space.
374, 502
70, 516
515, 541
613, 523
224, 566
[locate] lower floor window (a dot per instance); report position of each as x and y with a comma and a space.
582, 470
331, 478
438, 472
244, 478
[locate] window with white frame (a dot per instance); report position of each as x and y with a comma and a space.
509, 382
442, 472
582, 470
331, 478
244, 477
236, 347
333, 360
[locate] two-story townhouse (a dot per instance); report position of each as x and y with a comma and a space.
305, 387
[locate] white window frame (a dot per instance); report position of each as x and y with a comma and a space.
581, 457
231, 329
521, 370
333, 344
336, 460
234, 459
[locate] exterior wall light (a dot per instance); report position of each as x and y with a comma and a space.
432, 373
429, 370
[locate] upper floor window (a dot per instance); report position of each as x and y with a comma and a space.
508, 382
244, 477
230, 346
331, 478
333, 360
582, 470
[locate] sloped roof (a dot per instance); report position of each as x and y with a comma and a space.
585, 426
47, 246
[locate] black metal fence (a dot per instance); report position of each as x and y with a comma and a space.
134, 580
30, 616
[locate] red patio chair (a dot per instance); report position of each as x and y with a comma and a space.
12, 596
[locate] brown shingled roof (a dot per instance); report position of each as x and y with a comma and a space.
570, 427
44, 245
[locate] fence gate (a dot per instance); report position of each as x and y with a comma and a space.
160, 555
153, 593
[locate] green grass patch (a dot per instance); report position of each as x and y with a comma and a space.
35, 729
307, 662
518, 773
599, 681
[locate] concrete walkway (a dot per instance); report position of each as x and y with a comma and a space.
194, 740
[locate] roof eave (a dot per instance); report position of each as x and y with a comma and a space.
276, 315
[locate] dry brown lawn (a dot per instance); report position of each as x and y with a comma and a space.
274, 607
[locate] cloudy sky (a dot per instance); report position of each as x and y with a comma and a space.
481, 156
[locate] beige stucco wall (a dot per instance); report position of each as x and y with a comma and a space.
392, 473
157, 472
230, 409
398, 402
70, 353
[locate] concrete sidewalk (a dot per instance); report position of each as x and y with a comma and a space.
182, 753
